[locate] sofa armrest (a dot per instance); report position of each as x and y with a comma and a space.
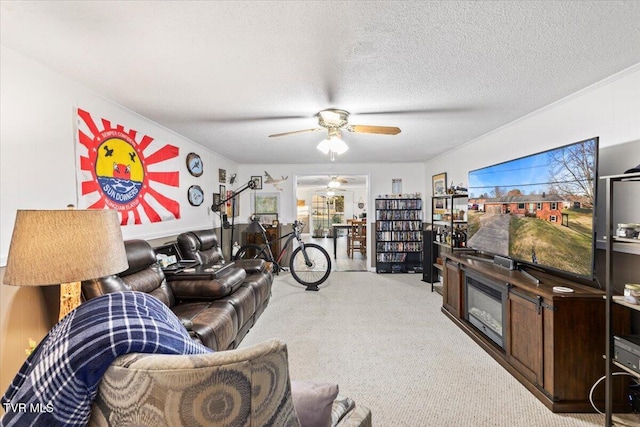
358, 416
178, 387
104, 285
203, 287
253, 265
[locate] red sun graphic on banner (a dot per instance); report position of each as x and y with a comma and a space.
127, 172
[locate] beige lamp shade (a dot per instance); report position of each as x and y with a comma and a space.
49, 247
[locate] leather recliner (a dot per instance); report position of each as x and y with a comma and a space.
217, 311
203, 246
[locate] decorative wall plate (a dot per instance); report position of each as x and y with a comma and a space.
195, 195
194, 164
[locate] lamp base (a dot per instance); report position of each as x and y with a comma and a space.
69, 298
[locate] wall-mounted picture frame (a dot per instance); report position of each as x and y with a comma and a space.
222, 175
257, 180
266, 203
268, 218
233, 205
439, 184
215, 207
396, 185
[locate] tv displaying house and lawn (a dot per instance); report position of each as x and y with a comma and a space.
538, 209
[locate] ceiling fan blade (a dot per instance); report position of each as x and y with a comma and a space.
295, 132
419, 111
386, 130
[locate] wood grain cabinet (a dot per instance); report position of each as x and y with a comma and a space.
452, 287
524, 341
551, 342
273, 234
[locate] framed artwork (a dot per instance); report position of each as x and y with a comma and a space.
396, 185
222, 175
216, 202
438, 204
223, 191
233, 207
268, 218
257, 180
268, 203
439, 184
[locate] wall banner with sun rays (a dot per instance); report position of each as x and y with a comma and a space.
119, 169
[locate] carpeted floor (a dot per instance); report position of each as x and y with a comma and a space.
383, 339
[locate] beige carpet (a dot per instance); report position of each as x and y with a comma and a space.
383, 339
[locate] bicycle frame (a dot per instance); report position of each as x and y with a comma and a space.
295, 234
309, 264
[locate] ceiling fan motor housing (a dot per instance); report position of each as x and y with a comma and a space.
333, 118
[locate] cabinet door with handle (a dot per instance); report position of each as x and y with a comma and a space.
524, 337
451, 291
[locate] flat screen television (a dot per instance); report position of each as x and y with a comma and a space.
538, 209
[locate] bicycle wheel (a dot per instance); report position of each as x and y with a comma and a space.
252, 252
314, 273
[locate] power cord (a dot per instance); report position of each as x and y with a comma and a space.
598, 382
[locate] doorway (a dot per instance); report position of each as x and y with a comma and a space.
326, 199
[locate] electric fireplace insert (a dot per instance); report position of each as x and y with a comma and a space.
485, 306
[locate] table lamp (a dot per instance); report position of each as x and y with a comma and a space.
50, 247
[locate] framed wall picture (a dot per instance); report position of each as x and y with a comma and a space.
396, 185
257, 180
233, 207
222, 189
268, 218
266, 203
439, 184
216, 202
222, 175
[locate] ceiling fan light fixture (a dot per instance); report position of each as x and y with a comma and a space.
334, 183
333, 144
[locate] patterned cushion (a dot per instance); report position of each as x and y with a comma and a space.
231, 388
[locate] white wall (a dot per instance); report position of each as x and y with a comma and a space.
609, 109
37, 150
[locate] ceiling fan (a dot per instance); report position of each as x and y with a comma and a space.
336, 181
333, 120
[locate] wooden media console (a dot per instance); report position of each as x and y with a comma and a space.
552, 342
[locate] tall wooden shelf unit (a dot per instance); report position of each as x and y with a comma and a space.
616, 302
398, 235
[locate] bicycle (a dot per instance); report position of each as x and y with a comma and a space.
309, 264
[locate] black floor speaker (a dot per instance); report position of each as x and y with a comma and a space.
429, 255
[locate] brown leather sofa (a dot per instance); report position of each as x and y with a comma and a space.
218, 307
203, 246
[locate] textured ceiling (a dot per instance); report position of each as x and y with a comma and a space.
227, 74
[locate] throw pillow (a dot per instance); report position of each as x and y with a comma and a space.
313, 402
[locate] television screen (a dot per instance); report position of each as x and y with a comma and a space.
538, 209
